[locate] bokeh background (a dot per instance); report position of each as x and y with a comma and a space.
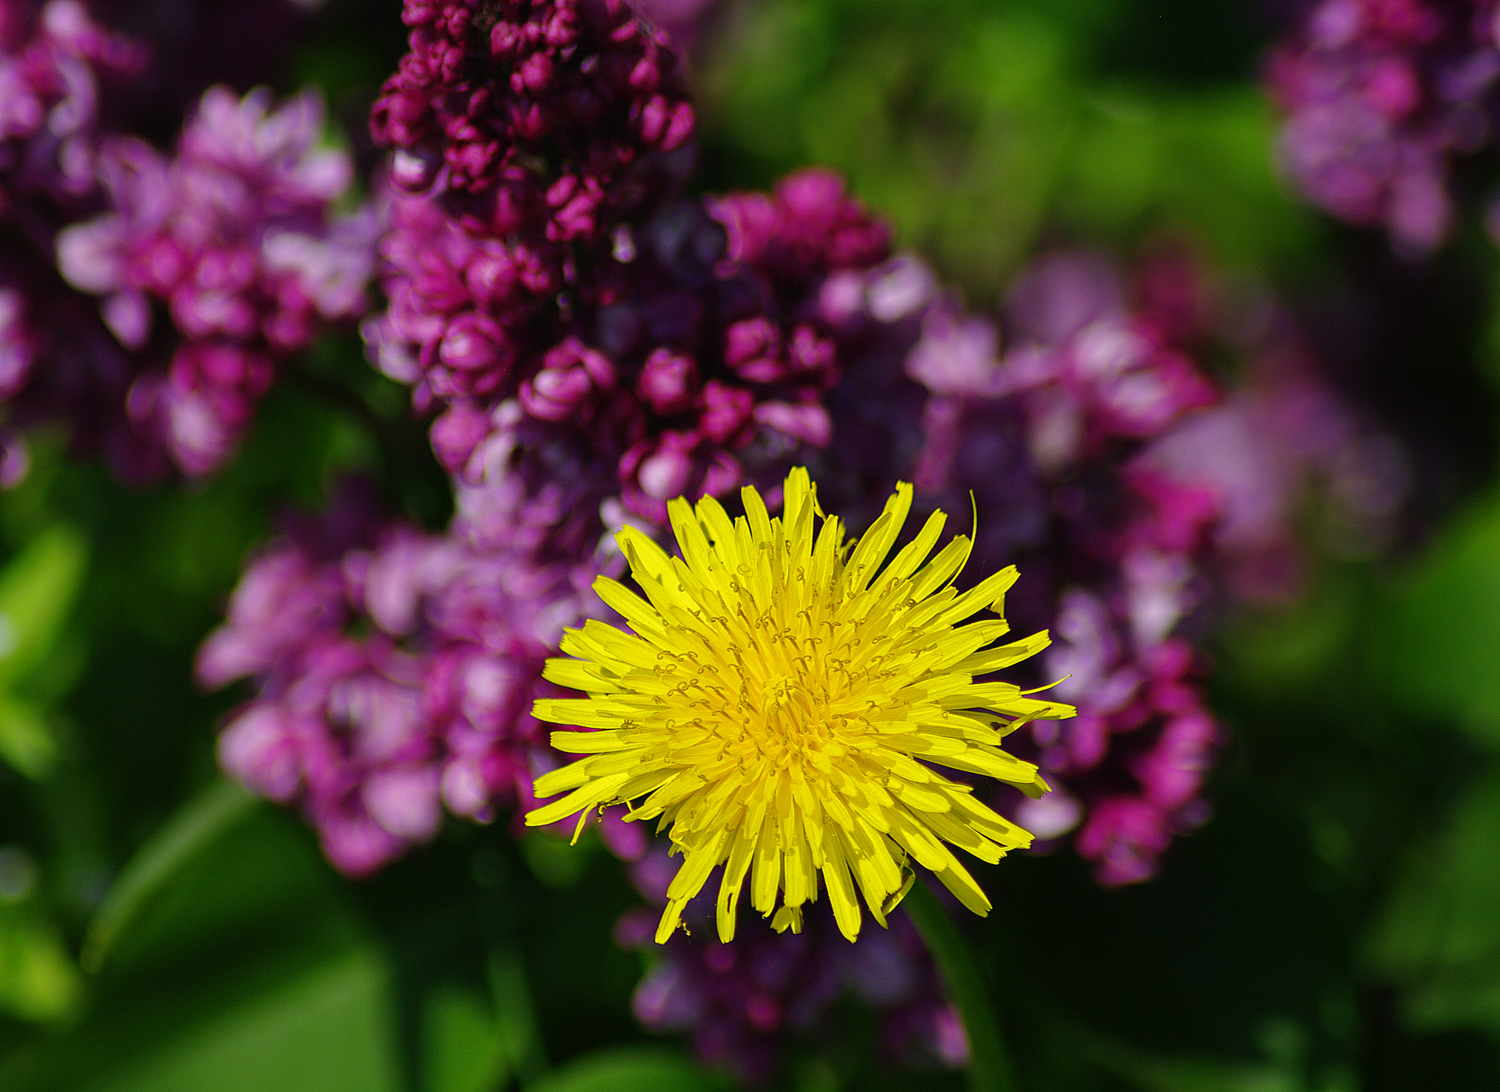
1330, 924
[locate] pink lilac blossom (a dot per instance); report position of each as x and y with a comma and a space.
395, 672
1040, 433
85, 381
703, 360
540, 253
1133, 494
235, 243
58, 71
1253, 460
1380, 96
232, 240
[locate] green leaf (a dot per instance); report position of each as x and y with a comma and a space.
26, 741
193, 829
38, 979
1439, 931
511, 995
554, 861
37, 591
1285, 1071
640, 1069
466, 1050
329, 1032
1437, 650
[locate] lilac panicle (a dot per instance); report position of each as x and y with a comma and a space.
1039, 428
395, 673
488, 92
1132, 493
702, 360
234, 241
1380, 96
58, 69
540, 253
161, 293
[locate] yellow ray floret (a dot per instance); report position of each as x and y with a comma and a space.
782, 702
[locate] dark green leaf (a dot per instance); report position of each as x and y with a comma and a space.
639, 1070
200, 822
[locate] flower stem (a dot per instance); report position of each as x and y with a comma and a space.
990, 1067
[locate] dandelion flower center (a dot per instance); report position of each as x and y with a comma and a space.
782, 701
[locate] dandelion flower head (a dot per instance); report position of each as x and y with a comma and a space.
782, 702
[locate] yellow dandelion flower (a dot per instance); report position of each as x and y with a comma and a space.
781, 705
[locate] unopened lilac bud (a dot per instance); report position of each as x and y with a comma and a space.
457, 433
573, 353
414, 169
491, 275
646, 75
474, 342
555, 394
666, 471
532, 75
725, 412
577, 217
751, 339
808, 422
667, 382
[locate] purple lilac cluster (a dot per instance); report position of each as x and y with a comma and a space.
532, 115
739, 1000
703, 359
210, 266
57, 66
57, 70
540, 253
523, 135
234, 243
1132, 493
1087, 379
1380, 95
395, 671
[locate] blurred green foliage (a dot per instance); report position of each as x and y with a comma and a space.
983, 128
